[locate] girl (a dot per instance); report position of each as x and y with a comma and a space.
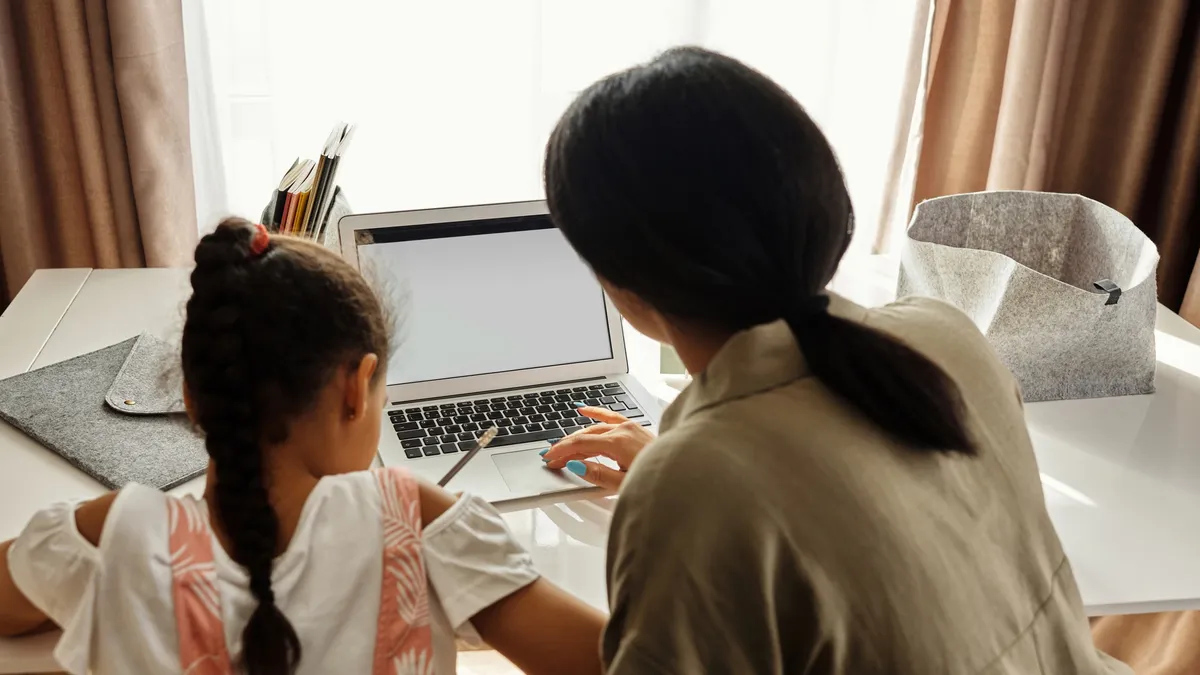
840, 490
296, 559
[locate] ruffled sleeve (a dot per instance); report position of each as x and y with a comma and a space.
472, 561
57, 570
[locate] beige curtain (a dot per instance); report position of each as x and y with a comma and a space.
95, 166
1097, 97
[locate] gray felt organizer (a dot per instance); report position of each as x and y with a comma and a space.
116, 413
1063, 287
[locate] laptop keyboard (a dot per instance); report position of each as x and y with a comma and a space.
519, 418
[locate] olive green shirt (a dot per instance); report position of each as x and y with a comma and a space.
772, 529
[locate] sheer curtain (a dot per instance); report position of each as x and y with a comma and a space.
455, 99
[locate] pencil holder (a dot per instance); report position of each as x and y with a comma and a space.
328, 236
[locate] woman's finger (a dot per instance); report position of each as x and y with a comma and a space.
560, 460
599, 428
601, 414
596, 474
579, 447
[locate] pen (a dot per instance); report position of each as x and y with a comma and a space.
480, 443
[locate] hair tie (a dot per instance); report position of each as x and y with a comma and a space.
812, 305
261, 240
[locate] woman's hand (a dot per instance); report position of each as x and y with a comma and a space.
614, 437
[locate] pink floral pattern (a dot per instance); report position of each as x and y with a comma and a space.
201, 633
403, 638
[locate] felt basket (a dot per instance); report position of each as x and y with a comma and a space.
1062, 286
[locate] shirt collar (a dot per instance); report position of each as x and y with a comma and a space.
752, 361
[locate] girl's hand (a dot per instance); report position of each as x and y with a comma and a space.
615, 437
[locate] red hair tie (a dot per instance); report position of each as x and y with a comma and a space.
261, 240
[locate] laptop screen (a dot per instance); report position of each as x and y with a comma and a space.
483, 297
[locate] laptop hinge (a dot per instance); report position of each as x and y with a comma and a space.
481, 394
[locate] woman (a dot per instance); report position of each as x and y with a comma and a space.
840, 490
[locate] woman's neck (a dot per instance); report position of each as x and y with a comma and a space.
696, 348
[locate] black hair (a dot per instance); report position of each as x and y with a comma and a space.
699, 185
265, 331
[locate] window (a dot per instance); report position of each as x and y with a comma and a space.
454, 99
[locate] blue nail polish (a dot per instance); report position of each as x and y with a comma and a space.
543, 452
576, 467
577, 404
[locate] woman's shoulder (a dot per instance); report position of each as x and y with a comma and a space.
943, 333
916, 314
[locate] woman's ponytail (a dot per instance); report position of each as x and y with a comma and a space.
892, 384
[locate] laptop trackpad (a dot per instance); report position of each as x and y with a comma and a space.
525, 474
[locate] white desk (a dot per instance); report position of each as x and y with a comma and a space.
1122, 475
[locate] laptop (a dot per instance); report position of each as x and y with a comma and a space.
498, 323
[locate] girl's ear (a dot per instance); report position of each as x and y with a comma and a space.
358, 386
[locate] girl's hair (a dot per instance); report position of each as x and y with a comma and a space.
701, 186
265, 331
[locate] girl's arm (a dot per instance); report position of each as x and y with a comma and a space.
543, 629
18, 616
540, 628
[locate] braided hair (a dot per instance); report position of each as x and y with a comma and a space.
268, 324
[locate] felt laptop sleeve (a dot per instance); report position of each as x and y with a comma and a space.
117, 414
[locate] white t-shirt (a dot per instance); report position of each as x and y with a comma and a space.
114, 601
